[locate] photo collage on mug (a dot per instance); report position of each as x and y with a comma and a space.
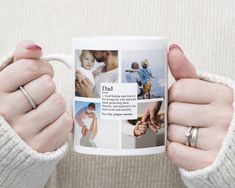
146, 69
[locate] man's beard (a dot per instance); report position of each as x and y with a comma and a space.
100, 59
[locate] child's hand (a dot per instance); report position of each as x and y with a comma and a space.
95, 73
196, 103
140, 128
46, 127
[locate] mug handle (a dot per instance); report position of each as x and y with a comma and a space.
65, 59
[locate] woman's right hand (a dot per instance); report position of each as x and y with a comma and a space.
46, 127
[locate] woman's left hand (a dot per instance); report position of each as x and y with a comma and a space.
195, 103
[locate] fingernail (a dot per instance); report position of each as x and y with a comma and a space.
33, 47
175, 46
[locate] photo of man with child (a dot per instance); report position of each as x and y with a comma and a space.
93, 68
145, 69
143, 77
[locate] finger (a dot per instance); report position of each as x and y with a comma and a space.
144, 123
45, 114
190, 114
153, 116
145, 116
81, 77
142, 128
78, 86
54, 135
22, 72
78, 72
189, 158
179, 65
142, 131
39, 90
177, 133
186, 90
81, 84
85, 83
89, 83
153, 128
27, 50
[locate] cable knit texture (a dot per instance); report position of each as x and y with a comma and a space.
204, 29
20, 166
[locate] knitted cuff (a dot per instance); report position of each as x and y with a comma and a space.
21, 166
222, 172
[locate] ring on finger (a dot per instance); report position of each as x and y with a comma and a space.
29, 98
191, 136
188, 135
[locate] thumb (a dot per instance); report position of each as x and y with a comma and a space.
179, 65
27, 50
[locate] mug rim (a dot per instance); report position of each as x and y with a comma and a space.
120, 37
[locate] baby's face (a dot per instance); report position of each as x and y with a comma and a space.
87, 60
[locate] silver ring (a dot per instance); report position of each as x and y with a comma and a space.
188, 135
33, 104
193, 138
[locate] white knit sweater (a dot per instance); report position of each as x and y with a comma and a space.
203, 28
22, 167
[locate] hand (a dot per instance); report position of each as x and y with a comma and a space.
140, 128
79, 76
95, 73
47, 127
150, 116
196, 103
84, 130
84, 87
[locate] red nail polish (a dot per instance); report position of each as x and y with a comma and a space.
33, 47
175, 46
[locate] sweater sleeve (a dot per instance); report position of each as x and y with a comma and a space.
221, 173
21, 166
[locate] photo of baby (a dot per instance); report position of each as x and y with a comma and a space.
93, 68
90, 130
136, 68
148, 130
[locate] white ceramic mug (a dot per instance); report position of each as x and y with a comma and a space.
118, 80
